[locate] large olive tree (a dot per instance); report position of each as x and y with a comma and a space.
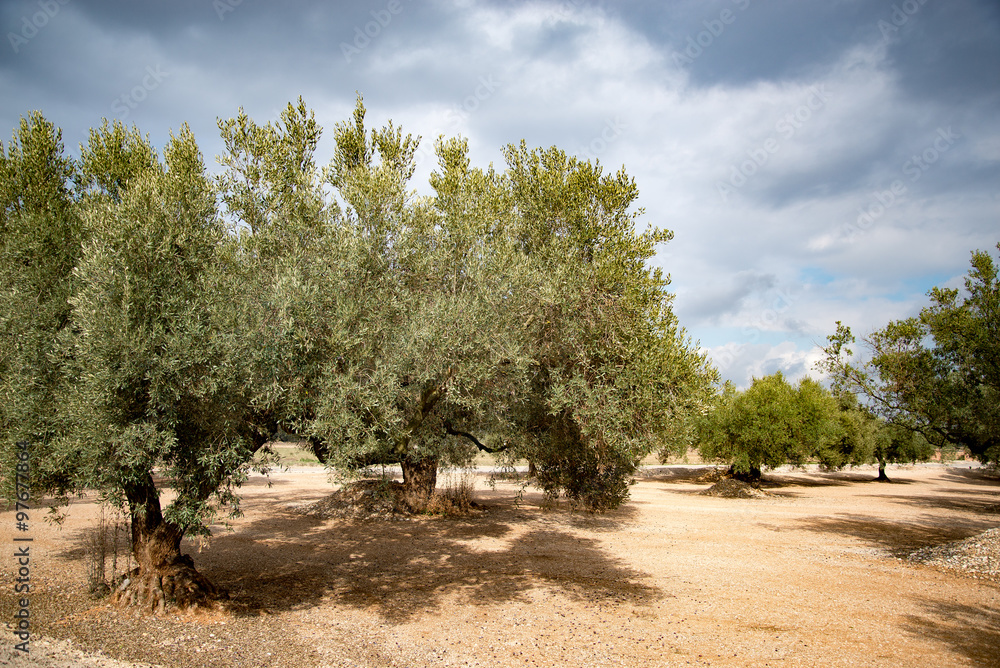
163, 395
516, 304
425, 354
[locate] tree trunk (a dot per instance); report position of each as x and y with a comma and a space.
882, 477
753, 477
419, 481
163, 577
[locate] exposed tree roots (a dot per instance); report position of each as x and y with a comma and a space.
177, 585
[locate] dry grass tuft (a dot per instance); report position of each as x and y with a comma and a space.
106, 547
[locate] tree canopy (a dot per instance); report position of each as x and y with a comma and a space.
771, 424
162, 383
937, 373
509, 312
160, 324
40, 244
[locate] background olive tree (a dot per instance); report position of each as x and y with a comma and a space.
771, 424
40, 243
868, 438
937, 373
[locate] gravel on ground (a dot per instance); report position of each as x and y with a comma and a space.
826, 569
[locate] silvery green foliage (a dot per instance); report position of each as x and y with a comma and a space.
425, 341
515, 306
161, 381
40, 236
511, 311
613, 374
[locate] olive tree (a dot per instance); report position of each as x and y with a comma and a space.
868, 438
863, 437
517, 305
425, 355
162, 395
770, 424
40, 242
937, 373
613, 375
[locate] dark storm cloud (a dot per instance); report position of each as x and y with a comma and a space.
927, 161
946, 51
727, 42
938, 48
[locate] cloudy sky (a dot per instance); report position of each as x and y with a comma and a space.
817, 161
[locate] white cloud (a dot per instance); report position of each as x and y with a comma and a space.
761, 271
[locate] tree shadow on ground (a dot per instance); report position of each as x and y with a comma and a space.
83, 544
166, 485
977, 476
955, 499
825, 479
900, 538
685, 474
256, 481
771, 479
400, 569
973, 631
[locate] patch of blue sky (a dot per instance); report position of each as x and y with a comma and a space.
918, 286
816, 276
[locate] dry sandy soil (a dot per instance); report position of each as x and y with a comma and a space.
815, 574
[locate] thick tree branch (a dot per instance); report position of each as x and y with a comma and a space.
485, 448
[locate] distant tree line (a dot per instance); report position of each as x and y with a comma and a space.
937, 373
773, 423
926, 383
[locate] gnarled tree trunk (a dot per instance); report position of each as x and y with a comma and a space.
419, 481
163, 576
